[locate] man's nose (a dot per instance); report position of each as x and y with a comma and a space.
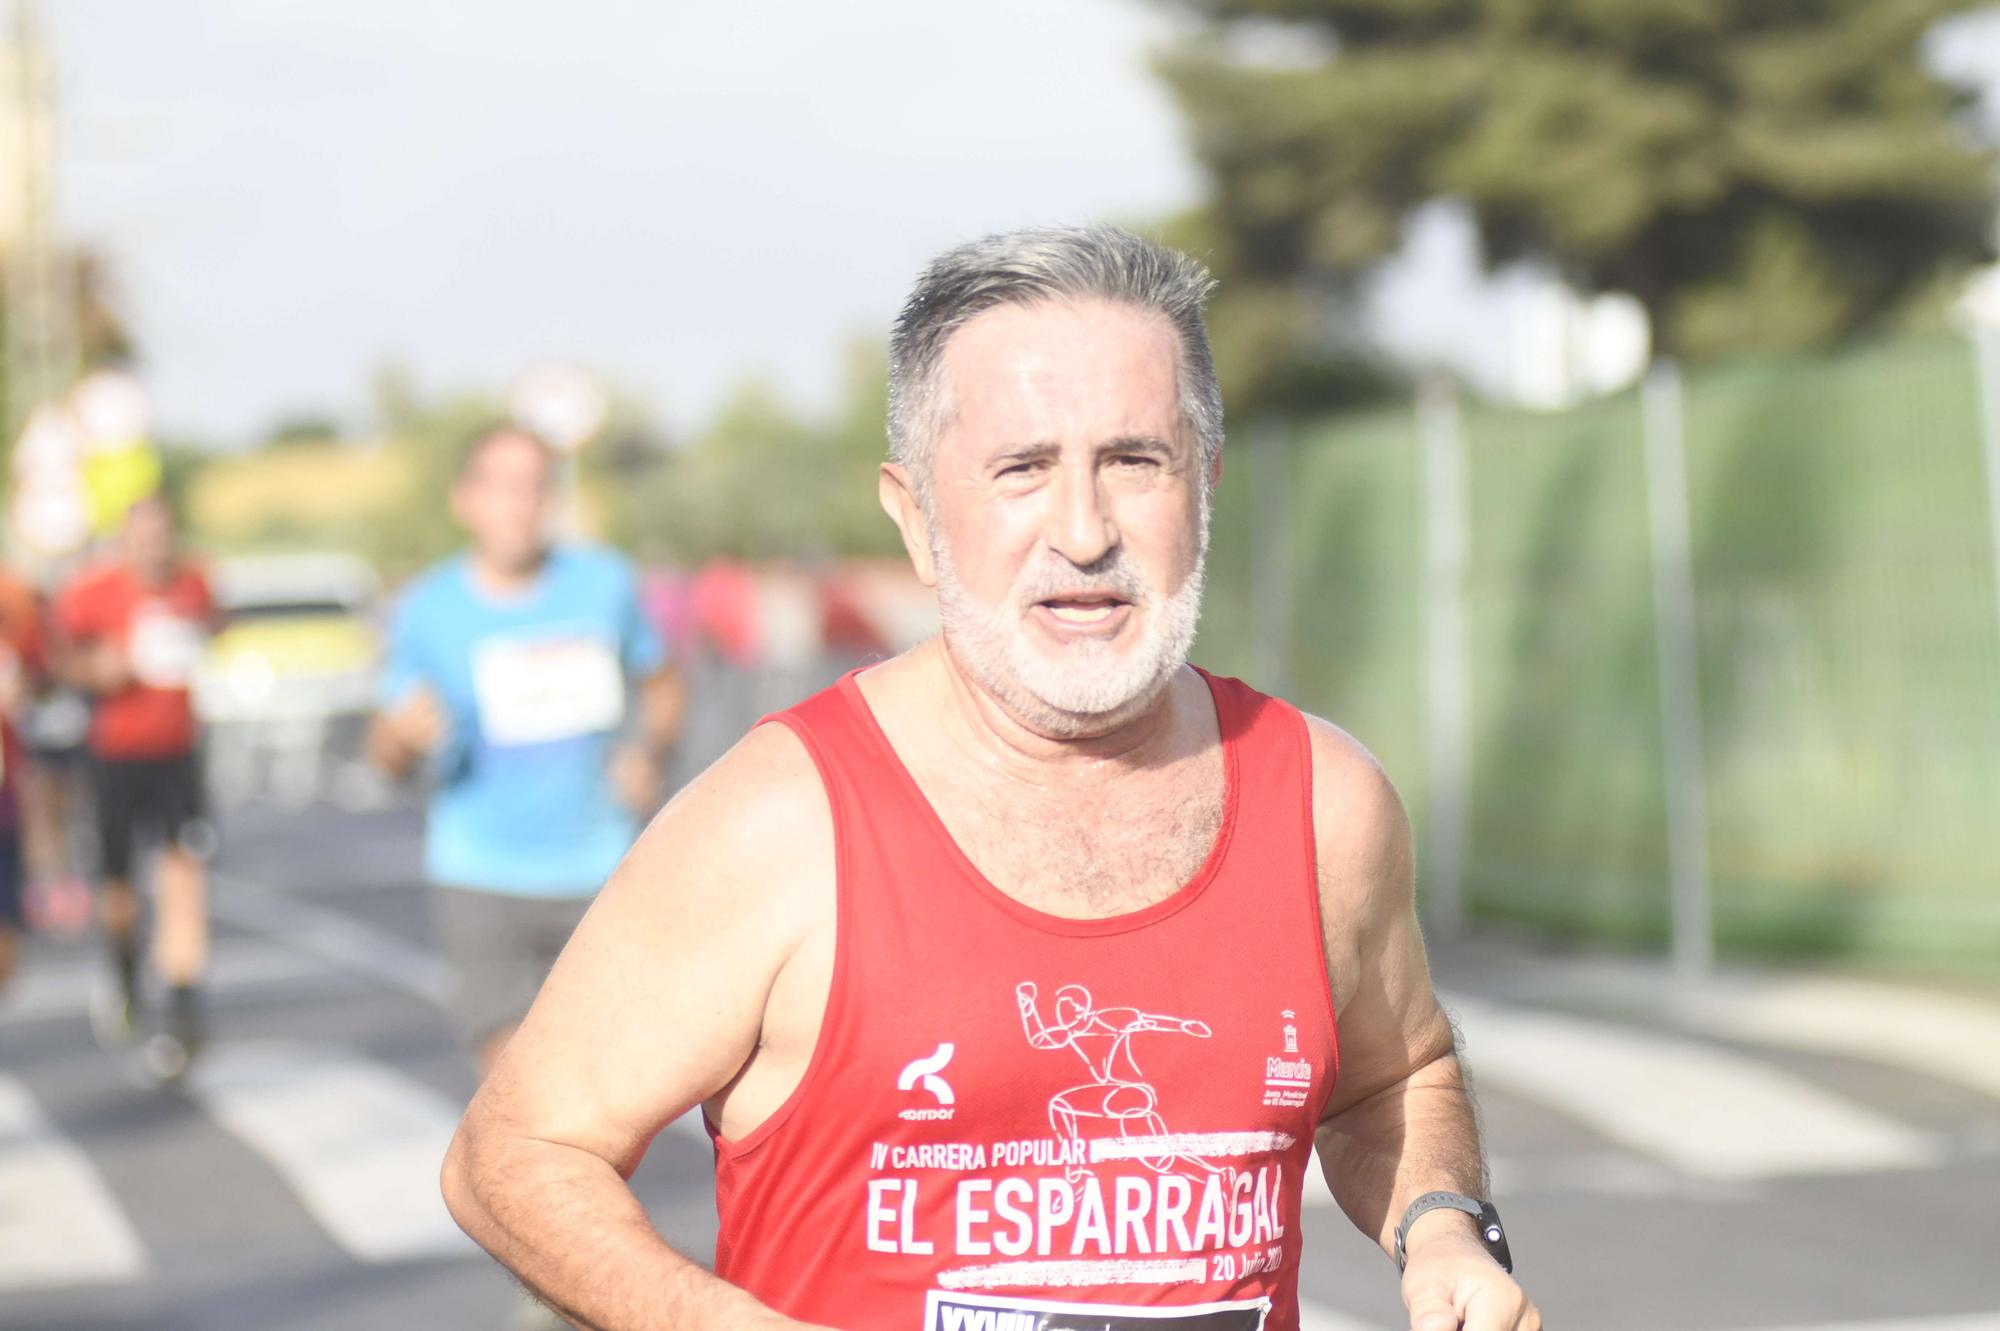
1082, 529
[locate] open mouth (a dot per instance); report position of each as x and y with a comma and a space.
1083, 611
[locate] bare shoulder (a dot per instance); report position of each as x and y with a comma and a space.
660, 997
755, 829
1360, 828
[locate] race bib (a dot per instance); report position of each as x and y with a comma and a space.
164, 647
950, 1311
533, 690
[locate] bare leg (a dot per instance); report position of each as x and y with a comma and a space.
118, 912
7, 950
42, 840
180, 943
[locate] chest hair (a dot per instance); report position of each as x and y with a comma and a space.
1095, 854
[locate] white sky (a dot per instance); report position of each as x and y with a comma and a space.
675, 195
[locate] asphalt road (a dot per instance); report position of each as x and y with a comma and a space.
1764, 1152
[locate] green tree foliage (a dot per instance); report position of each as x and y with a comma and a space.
1769, 174
763, 481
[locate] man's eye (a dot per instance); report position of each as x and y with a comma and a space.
1136, 460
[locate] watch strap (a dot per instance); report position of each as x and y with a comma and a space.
1490, 1232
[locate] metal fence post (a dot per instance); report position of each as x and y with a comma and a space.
1680, 703
1986, 357
1447, 703
1271, 583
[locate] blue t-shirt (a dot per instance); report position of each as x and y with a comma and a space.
538, 687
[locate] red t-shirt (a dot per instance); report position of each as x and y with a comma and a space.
162, 631
21, 656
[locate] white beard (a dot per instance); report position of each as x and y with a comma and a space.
1076, 689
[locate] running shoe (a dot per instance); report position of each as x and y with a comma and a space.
169, 1052
165, 1057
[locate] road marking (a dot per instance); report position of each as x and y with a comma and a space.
1966, 1322
1933, 1034
1318, 1317
59, 1223
1707, 1112
358, 1142
1870, 1020
59, 984
337, 937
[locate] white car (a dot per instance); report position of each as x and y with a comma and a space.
288, 680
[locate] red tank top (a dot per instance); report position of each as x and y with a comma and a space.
1014, 1121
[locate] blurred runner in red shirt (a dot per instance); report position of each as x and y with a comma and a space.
21, 665
133, 631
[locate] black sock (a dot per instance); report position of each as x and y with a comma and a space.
184, 1009
125, 956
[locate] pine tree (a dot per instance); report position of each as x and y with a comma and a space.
1767, 174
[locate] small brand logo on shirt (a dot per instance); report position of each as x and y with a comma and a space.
923, 1073
1287, 1076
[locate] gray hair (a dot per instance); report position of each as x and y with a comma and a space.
1026, 268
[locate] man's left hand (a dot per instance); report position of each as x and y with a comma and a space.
635, 779
1453, 1284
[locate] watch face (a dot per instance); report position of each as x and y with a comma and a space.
1495, 1237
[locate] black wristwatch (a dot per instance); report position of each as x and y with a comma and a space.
1490, 1232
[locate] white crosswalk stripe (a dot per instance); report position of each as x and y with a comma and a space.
59, 1223
1706, 1111
1971, 1322
1894, 1025
359, 1143
241, 970
1317, 1317
1933, 1034
334, 937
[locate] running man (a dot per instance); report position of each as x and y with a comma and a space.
855, 892
22, 665
131, 632
528, 683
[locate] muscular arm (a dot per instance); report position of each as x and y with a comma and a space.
1401, 1121
658, 1004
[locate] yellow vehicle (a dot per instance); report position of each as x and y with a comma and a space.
288, 680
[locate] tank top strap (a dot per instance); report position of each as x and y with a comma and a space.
879, 819
1273, 761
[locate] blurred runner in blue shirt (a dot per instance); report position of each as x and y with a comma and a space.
526, 680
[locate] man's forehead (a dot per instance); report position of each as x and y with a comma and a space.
1064, 357
505, 450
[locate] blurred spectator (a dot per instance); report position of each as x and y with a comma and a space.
529, 683
725, 611
132, 632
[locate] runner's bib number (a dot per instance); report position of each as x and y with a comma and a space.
533, 690
165, 648
954, 1311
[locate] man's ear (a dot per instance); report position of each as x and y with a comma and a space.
899, 501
